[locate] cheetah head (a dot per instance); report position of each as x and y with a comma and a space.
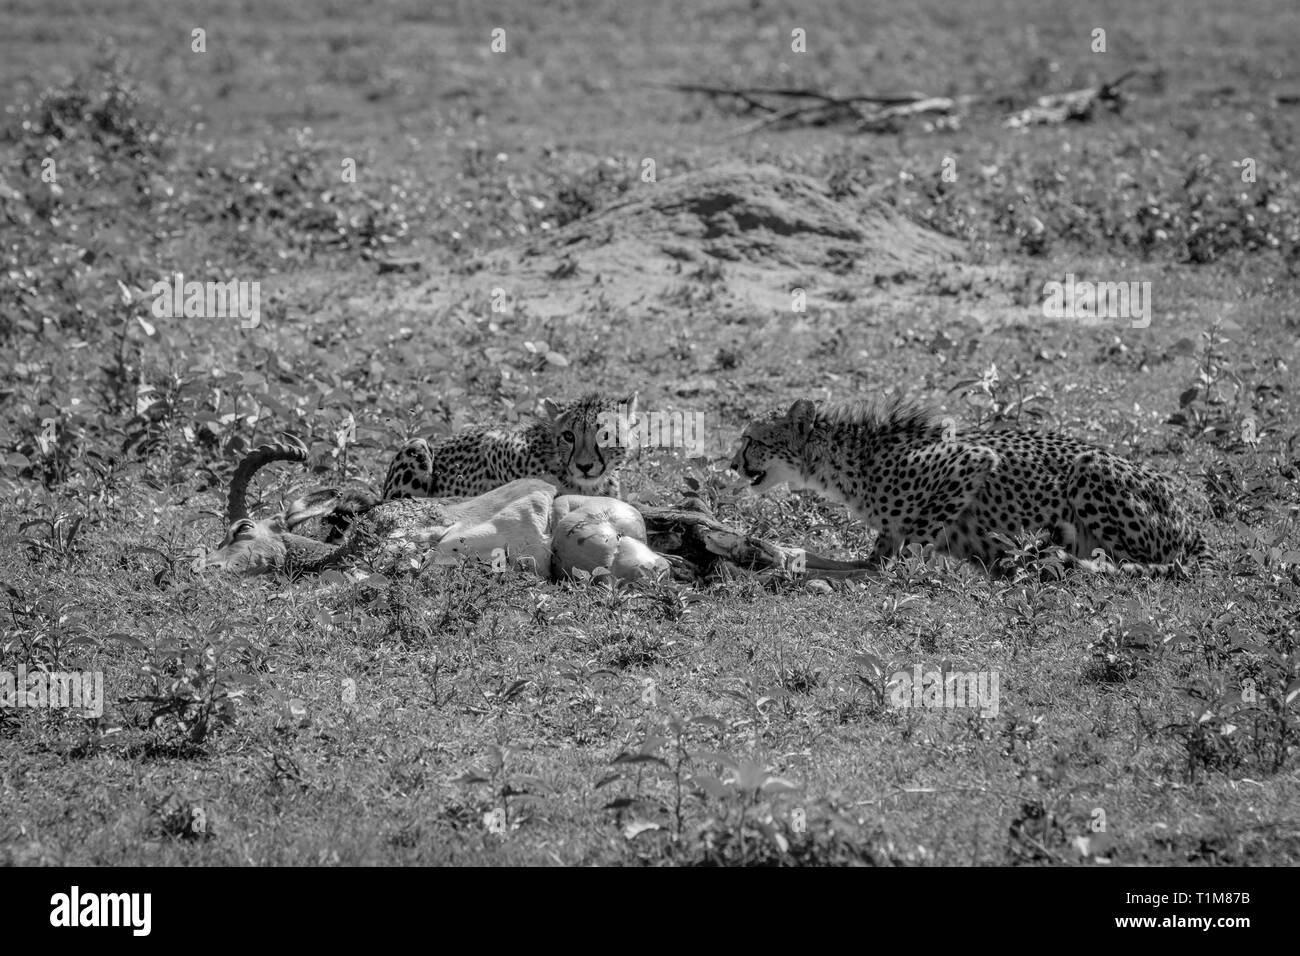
586, 434
772, 445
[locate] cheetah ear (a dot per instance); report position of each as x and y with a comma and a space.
801, 415
630, 403
551, 409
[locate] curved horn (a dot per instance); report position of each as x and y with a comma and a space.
255, 459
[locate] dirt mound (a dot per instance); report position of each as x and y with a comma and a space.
759, 214
749, 234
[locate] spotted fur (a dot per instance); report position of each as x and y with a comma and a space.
918, 480
570, 447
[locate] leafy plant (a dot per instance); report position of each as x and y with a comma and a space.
510, 790
1125, 647
195, 686
58, 540
738, 794
1207, 409
995, 398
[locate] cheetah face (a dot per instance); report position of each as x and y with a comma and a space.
587, 450
771, 449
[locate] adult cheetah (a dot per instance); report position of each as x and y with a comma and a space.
573, 447
917, 479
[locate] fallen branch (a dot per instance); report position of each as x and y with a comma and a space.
747, 97
794, 113
1075, 105
750, 93
941, 105
892, 108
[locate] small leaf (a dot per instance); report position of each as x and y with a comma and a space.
633, 830
750, 775
331, 576
516, 798
709, 721
515, 689
711, 785
144, 549
624, 758
127, 639
526, 783
779, 785
708, 756
1291, 693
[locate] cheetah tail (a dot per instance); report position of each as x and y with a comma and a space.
1184, 569
1195, 558
1174, 570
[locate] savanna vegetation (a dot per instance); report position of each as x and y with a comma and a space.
463, 717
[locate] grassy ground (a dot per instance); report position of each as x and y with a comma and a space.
461, 719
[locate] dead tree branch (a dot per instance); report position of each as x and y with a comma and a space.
875, 112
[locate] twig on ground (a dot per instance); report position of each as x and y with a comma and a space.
827, 108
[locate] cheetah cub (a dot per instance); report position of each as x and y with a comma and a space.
571, 447
916, 479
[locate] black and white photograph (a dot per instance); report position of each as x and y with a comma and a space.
643, 435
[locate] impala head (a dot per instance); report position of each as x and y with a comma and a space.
253, 546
